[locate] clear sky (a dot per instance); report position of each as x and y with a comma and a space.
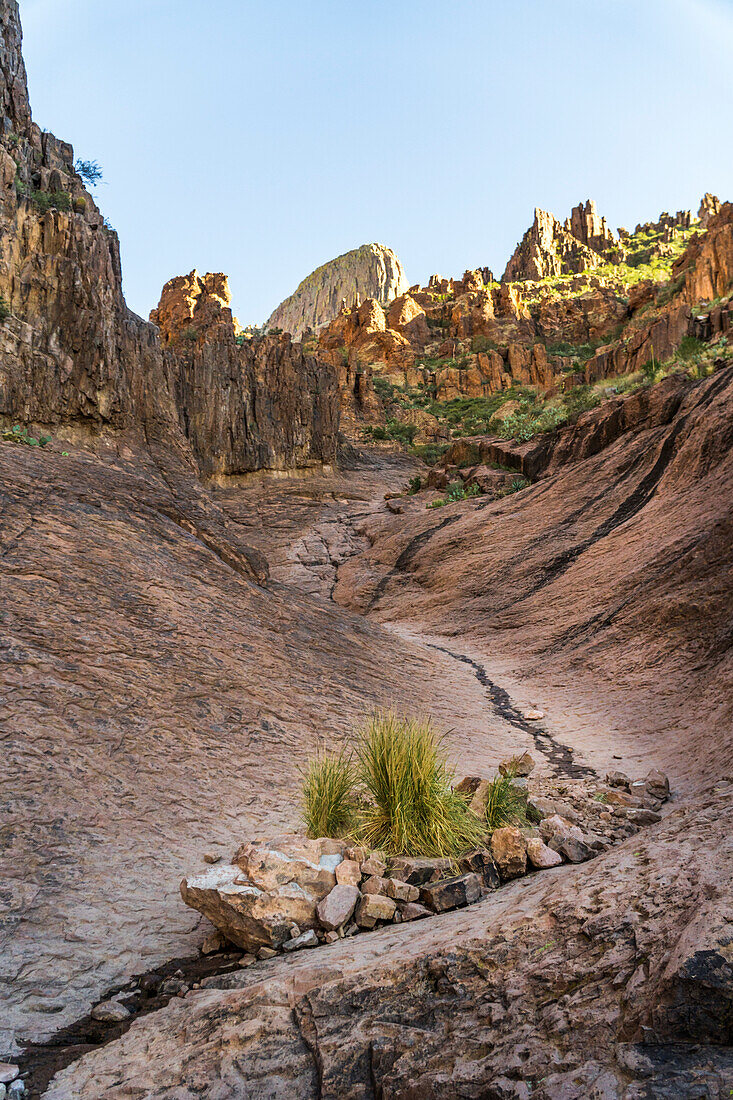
264, 138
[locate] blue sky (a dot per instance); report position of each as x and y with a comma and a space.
263, 138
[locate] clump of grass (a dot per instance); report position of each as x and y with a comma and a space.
329, 807
506, 804
411, 809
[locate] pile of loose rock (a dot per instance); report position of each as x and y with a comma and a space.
293, 892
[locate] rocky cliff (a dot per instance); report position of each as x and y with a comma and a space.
244, 404
371, 271
78, 363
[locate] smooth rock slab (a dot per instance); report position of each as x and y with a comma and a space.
8, 1072
540, 855
374, 907
452, 893
336, 908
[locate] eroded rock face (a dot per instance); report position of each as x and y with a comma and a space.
371, 271
550, 247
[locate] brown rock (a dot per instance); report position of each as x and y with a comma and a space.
418, 870
335, 909
373, 866
374, 885
509, 852
402, 891
372, 908
348, 873
540, 855
413, 911
451, 893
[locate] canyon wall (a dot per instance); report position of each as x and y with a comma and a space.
76, 362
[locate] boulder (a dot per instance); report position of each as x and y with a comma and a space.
540, 855
375, 865
574, 850
643, 817
348, 873
8, 1072
401, 891
374, 885
451, 893
509, 852
557, 826
213, 943
480, 799
618, 779
468, 786
374, 907
270, 868
657, 785
336, 908
481, 863
417, 870
245, 914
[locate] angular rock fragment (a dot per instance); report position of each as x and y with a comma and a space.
521, 766
618, 779
401, 891
348, 873
481, 862
335, 909
110, 1012
509, 852
414, 911
540, 855
574, 850
657, 785
374, 907
374, 885
269, 868
451, 893
305, 939
643, 817
418, 870
374, 866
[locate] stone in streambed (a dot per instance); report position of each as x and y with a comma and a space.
110, 1012
401, 891
305, 939
452, 893
481, 863
8, 1072
540, 855
509, 852
418, 870
336, 908
374, 907
348, 873
412, 910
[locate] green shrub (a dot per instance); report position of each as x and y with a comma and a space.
16, 434
507, 804
50, 200
4, 310
430, 453
415, 485
383, 388
412, 809
329, 807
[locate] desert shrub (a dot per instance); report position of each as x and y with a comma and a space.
411, 808
17, 434
482, 343
4, 310
506, 804
383, 388
188, 335
328, 803
414, 485
430, 453
50, 200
